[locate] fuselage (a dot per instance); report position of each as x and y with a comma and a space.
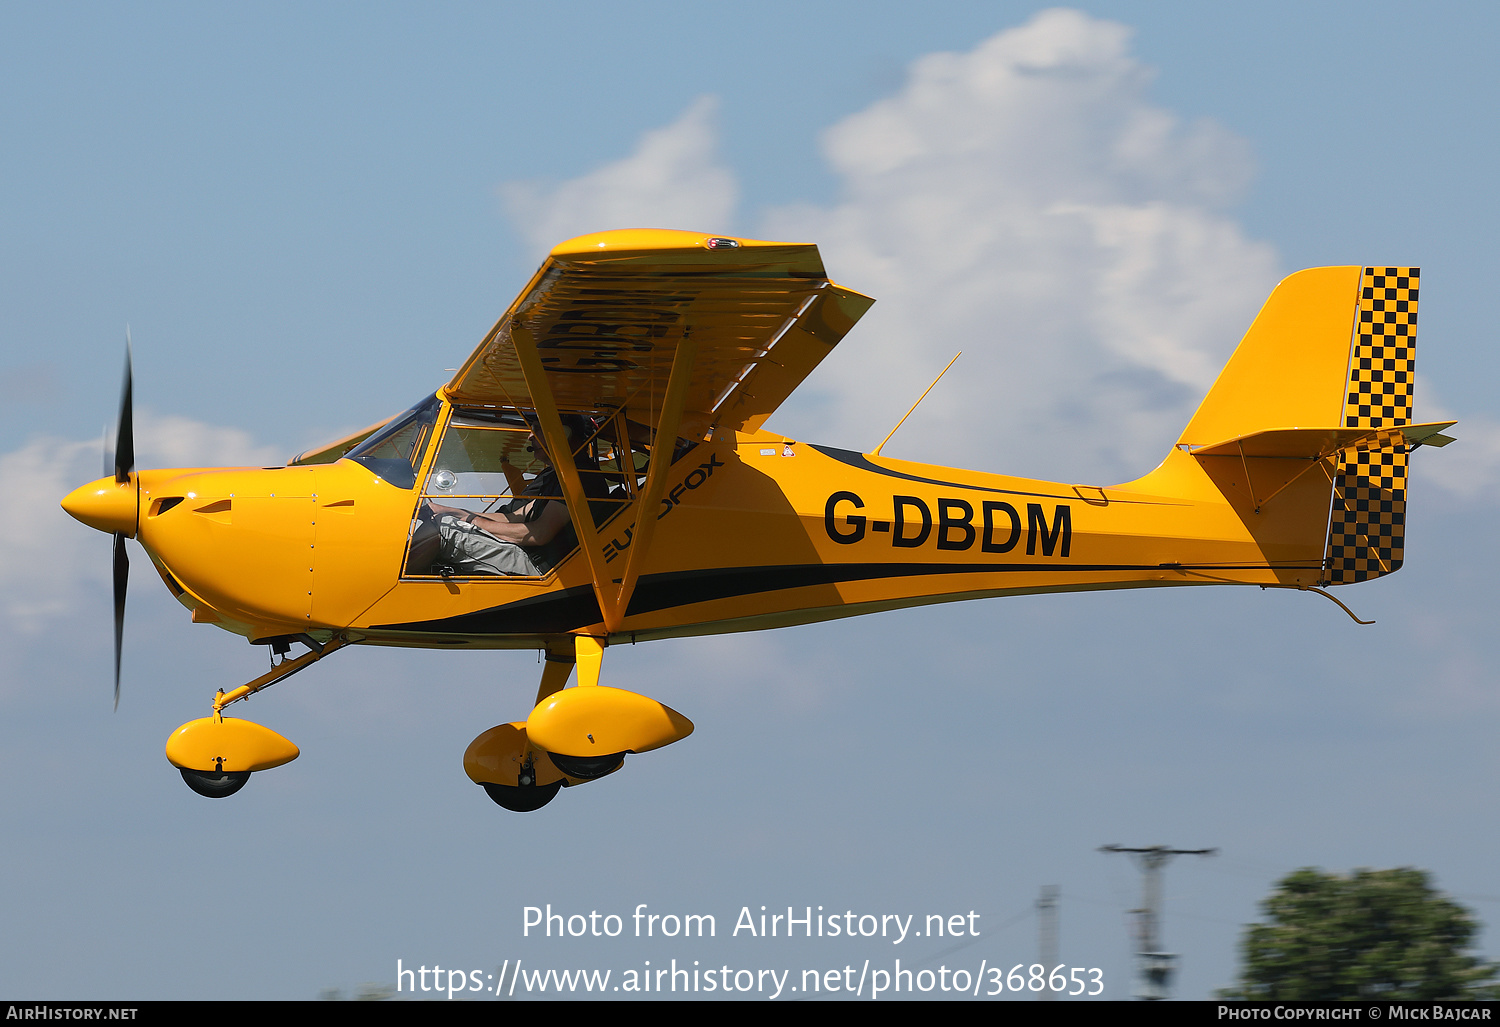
755, 531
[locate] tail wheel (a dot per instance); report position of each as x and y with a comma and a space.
215, 784
523, 798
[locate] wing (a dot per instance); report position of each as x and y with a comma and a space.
606, 312
666, 335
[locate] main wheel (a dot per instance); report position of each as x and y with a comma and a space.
216, 784
523, 798
588, 767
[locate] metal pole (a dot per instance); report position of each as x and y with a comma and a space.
1046, 915
1154, 966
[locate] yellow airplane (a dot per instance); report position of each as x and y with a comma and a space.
634, 374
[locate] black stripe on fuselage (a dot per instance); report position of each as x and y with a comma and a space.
577, 607
861, 462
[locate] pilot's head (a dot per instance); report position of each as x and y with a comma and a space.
537, 446
577, 427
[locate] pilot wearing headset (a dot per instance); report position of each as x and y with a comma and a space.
526, 536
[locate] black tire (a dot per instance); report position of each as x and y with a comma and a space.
588, 767
523, 799
215, 784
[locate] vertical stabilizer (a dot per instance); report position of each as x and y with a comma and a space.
1291, 368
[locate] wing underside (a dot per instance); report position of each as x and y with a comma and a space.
664, 335
606, 312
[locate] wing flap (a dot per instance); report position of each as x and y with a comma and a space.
792, 357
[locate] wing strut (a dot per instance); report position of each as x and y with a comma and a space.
612, 600
664, 442
567, 470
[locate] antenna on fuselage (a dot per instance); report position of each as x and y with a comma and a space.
917, 403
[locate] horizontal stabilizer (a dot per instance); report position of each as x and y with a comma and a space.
1318, 443
1432, 436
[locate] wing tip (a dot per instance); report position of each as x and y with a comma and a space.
631, 242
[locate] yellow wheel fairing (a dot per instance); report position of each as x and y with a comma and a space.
599, 721
228, 745
497, 756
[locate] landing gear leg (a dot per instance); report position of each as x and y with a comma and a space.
589, 652
559, 667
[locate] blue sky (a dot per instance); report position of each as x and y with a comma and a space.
307, 214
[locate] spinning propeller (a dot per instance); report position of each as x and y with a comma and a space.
112, 504
124, 464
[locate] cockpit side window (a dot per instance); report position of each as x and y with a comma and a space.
395, 452
484, 465
490, 475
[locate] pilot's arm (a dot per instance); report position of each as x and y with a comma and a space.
513, 527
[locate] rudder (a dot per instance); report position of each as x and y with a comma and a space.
1367, 526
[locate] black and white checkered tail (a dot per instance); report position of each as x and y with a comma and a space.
1367, 527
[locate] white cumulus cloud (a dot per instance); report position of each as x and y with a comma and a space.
1468, 469
1025, 202
674, 179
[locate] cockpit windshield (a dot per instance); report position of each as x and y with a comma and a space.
395, 451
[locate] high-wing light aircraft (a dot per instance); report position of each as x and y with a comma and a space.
598, 472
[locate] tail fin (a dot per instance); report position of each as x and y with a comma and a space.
1291, 368
1324, 374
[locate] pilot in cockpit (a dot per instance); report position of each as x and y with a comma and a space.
526, 536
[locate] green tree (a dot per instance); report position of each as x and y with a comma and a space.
1371, 934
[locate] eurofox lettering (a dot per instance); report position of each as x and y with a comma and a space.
694, 478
